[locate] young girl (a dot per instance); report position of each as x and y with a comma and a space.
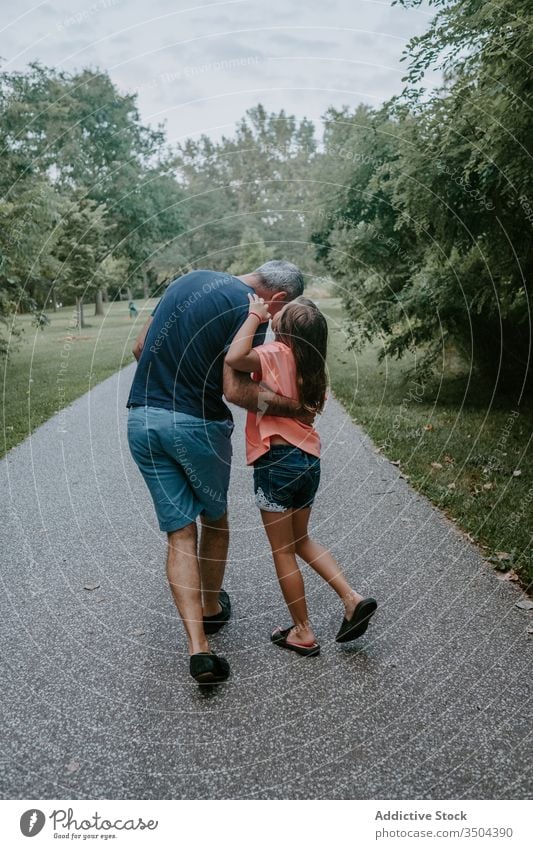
285, 454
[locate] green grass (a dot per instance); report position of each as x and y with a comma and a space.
46, 370
480, 443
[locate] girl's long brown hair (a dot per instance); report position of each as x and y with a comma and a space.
304, 329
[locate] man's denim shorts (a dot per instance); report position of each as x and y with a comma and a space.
185, 462
285, 477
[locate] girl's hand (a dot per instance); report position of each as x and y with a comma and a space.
259, 308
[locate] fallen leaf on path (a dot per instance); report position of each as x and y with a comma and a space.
91, 585
137, 632
488, 486
508, 576
517, 473
503, 555
429, 427
72, 766
396, 462
436, 465
525, 604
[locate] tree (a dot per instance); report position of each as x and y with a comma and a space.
434, 243
255, 181
66, 139
251, 253
147, 209
86, 264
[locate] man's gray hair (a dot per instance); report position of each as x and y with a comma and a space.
282, 276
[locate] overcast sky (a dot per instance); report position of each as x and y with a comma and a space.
199, 65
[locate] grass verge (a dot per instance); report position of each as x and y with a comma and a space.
48, 369
466, 451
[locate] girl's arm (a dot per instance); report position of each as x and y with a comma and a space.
241, 355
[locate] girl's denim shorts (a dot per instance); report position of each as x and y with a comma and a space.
285, 477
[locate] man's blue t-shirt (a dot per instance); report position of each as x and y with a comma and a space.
181, 365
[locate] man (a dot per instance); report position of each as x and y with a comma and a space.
179, 432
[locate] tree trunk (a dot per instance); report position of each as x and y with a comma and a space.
53, 298
105, 296
80, 323
146, 286
99, 302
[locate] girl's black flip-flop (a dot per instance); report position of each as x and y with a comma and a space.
358, 622
279, 638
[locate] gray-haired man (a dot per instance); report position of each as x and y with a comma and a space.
179, 432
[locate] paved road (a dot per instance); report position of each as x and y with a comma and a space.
434, 702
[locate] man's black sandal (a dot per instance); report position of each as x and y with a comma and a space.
279, 638
208, 668
358, 622
213, 624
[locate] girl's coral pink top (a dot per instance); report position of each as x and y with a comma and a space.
278, 373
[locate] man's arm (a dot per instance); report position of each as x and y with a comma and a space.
240, 389
139, 342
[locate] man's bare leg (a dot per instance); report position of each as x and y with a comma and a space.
184, 578
214, 541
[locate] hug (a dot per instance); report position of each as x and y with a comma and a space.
205, 344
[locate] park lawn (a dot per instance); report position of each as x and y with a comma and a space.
48, 369
484, 476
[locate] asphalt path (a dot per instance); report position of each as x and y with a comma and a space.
433, 702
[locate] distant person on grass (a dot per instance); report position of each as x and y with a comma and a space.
285, 454
179, 431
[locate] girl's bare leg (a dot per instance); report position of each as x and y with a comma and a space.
320, 559
279, 529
